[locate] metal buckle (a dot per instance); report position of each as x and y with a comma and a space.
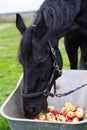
56, 66
53, 51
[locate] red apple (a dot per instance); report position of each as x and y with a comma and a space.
77, 107
75, 119
70, 114
45, 119
36, 118
69, 120
50, 109
64, 113
56, 112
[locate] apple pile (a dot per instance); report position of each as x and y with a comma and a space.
68, 113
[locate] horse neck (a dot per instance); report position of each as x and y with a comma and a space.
62, 13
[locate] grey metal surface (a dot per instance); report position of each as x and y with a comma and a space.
12, 109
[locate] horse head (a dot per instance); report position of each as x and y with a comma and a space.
41, 61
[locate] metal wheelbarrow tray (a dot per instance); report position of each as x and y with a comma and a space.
12, 109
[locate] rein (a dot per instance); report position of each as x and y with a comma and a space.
69, 92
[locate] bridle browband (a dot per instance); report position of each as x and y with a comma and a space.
46, 91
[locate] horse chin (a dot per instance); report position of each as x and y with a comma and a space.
30, 115
33, 108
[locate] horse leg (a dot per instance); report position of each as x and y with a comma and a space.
83, 60
72, 51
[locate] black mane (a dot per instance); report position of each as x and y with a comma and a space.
59, 14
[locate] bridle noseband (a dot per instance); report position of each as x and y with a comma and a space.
46, 91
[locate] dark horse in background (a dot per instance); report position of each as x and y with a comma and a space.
39, 53
78, 39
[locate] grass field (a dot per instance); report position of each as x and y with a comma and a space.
10, 69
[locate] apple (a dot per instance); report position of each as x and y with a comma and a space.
51, 117
73, 108
41, 116
77, 107
64, 113
50, 108
60, 118
36, 118
70, 114
56, 112
79, 113
69, 120
75, 119
45, 119
68, 105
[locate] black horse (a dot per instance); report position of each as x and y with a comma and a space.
39, 53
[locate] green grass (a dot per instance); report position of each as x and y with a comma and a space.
64, 55
10, 69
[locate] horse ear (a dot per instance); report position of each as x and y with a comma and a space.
41, 24
20, 24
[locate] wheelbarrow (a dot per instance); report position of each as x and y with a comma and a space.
12, 109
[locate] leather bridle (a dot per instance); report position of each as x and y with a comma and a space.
46, 91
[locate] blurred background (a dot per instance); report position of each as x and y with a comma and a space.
9, 6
